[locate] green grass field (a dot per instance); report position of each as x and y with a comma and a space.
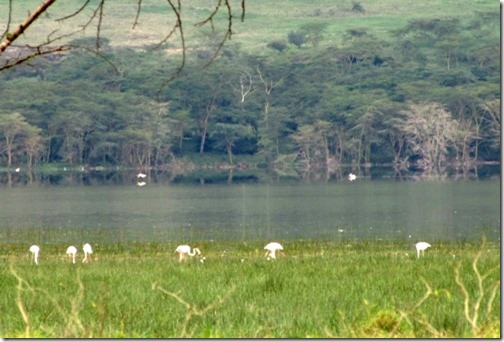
264, 21
319, 289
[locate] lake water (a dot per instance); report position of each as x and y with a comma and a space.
366, 209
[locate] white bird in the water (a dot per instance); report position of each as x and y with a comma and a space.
185, 250
141, 175
421, 247
352, 177
34, 249
141, 183
271, 248
70, 252
87, 252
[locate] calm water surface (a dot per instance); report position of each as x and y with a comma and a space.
360, 210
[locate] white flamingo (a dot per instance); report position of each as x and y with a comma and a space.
421, 247
271, 248
34, 249
185, 250
70, 252
87, 252
352, 177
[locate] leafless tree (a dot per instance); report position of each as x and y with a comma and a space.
429, 130
492, 110
246, 87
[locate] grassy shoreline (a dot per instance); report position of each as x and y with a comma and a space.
320, 289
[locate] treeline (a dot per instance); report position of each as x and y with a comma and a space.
428, 94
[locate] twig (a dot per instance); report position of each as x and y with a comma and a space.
9, 18
139, 7
193, 310
471, 314
19, 301
11, 37
404, 315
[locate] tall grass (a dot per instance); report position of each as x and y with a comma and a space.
320, 289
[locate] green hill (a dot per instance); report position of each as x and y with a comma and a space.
312, 85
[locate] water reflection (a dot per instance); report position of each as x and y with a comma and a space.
110, 206
90, 177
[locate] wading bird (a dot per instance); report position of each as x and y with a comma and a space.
87, 252
271, 248
185, 250
141, 183
421, 247
352, 177
141, 175
34, 249
71, 251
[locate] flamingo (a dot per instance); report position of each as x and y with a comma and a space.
421, 247
70, 252
352, 177
34, 249
185, 250
271, 248
87, 252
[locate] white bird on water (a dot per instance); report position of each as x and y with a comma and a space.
421, 247
141, 175
34, 249
70, 252
271, 248
185, 250
352, 177
87, 252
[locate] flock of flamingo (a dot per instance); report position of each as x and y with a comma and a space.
71, 252
185, 251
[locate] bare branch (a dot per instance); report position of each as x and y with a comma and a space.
192, 310
75, 13
243, 11
98, 27
95, 20
9, 18
178, 25
210, 17
229, 31
139, 7
39, 52
19, 301
12, 36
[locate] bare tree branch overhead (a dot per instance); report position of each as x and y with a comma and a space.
25, 36
10, 37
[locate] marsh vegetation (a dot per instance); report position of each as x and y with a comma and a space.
319, 289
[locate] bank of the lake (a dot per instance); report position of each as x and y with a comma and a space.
320, 289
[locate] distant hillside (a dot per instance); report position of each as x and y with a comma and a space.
301, 85
265, 21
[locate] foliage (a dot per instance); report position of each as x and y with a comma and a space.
298, 38
116, 108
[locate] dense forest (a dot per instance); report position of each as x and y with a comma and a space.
424, 95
